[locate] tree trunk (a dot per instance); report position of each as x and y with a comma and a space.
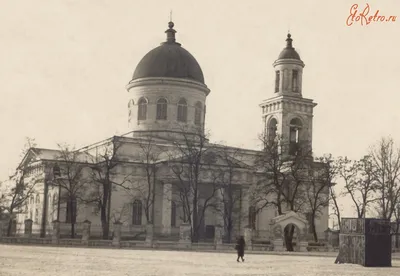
313, 228
72, 230
195, 224
104, 225
229, 231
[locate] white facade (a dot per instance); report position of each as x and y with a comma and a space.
162, 108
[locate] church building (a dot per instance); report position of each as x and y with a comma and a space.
166, 163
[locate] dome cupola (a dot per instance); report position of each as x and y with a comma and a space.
169, 60
289, 52
167, 93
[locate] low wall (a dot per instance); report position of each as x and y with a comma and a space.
157, 244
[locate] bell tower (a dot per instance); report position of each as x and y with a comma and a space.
287, 116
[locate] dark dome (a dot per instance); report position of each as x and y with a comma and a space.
289, 52
169, 60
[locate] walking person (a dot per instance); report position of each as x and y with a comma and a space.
240, 244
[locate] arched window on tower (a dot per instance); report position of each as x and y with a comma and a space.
272, 129
295, 78
130, 106
294, 136
277, 80
137, 212
161, 109
197, 113
173, 214
142, 109
182, 110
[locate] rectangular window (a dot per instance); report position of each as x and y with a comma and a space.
277, 80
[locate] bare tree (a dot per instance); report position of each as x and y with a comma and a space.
320, 179
385, 158
271, 167
103, 180
149, 153
29, 143
230, 192
70, 180
190, 158
284, 178
334, 204
359, 180
16, 195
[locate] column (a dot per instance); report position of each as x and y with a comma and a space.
55, 237
86, 232
28, 228
1, 229
166, 209
117, 234
281, 73
300, 80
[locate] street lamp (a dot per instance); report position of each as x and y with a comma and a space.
56, 176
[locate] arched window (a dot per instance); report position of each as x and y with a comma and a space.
182, 110
173, 214
142, 109
37, 199
252, 217
197, 113
161, 109
137, 212
271, 130
294, 135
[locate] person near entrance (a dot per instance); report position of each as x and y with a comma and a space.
240, 245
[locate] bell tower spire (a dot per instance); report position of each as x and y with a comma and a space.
287, 115
289, 71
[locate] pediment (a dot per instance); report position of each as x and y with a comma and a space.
290, 217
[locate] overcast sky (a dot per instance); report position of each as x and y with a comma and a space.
64, 66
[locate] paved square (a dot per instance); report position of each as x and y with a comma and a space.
29, 260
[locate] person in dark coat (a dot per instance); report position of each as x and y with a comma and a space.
240, 245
